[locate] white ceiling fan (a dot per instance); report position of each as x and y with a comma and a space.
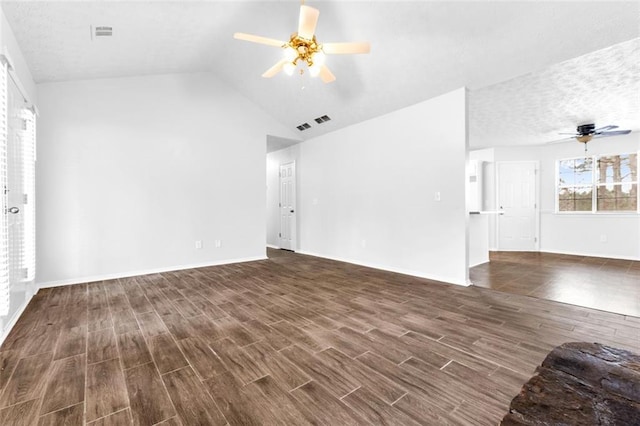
303, 47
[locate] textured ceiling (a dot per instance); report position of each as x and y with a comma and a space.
419, 50
601, 87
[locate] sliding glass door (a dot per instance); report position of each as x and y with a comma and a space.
17, 251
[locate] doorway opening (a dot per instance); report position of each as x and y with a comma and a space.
283, 157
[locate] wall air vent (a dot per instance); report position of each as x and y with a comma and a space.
303, 126
102, 31
322, 119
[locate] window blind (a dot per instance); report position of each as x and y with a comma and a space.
29, 187
5, 285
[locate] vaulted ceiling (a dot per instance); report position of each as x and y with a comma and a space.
533, 68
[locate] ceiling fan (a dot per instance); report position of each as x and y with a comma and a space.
586, 132
303, 47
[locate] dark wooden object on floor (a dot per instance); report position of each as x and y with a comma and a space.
290, 340
581, 384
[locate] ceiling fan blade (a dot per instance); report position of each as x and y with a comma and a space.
258, 39
326, 75
346, 48
573, 134
605, 128
274, 69
307, 22
614, 133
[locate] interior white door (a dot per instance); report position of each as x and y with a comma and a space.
287, 234
517, 200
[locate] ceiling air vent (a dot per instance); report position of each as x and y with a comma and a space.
322, 119
303, 126
102, 31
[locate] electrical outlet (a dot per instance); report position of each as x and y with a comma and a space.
218, 243
436, 196
603, 238
198, 244
364, 243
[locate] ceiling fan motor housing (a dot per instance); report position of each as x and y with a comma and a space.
586, 129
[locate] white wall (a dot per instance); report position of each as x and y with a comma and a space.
132, 171
580, 234
368, 191
274, 160
21, 293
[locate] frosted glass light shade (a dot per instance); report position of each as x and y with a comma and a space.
319, 58
289, 68
290, 53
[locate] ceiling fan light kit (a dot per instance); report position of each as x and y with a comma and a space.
584, 138
308, 51
303, 48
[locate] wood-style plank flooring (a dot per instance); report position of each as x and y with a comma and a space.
611, 285
290, 340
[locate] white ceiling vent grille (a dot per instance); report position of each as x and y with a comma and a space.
102, 31
303, 126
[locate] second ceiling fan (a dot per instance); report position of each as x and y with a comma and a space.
586, 132
303, 47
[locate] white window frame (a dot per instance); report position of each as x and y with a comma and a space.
594, 187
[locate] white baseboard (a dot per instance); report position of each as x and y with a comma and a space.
273, 246
117, 275
447, 280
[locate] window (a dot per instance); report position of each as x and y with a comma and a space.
606, 183
575, 185
617, 188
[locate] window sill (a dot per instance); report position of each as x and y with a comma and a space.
599, 214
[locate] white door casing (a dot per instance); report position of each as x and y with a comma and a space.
517, 198
287, 235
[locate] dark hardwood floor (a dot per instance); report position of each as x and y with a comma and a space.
290, 340
607, 284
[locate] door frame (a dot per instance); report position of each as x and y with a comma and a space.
536, 164
294, 227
